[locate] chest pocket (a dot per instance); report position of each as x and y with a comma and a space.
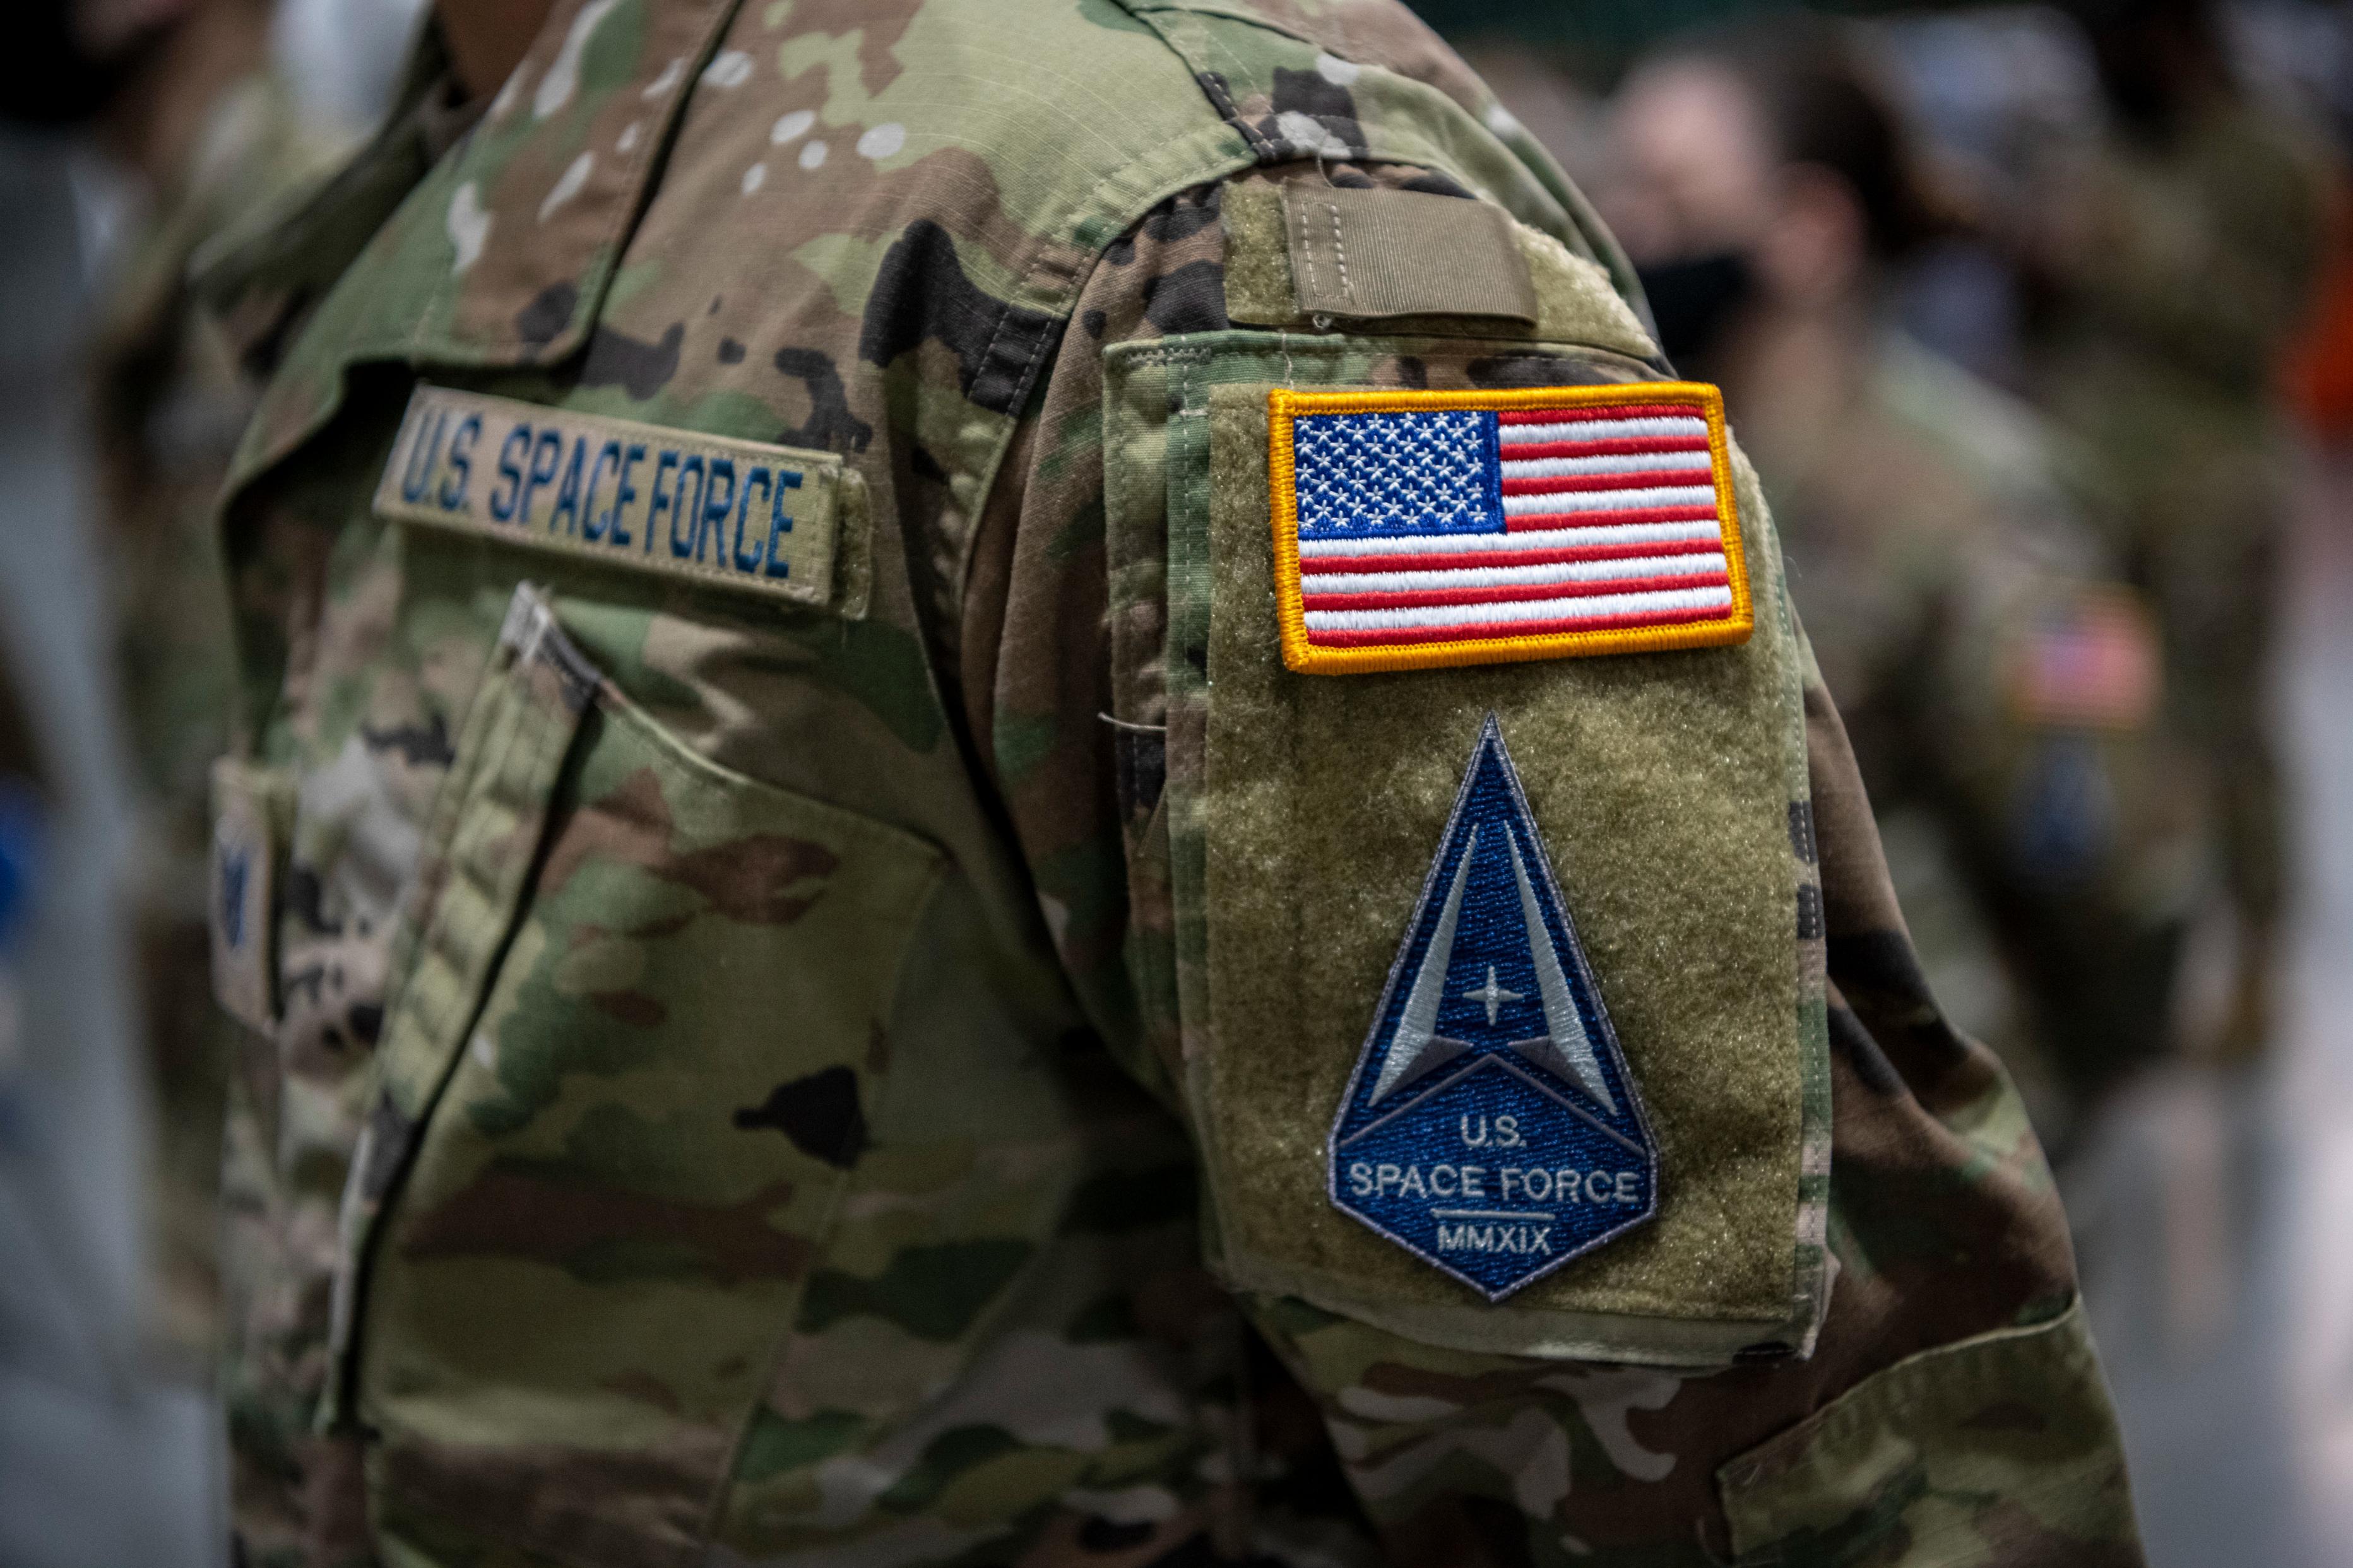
630, 1058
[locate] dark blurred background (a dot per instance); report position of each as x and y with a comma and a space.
2037, 323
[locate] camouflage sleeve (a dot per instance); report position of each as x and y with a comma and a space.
1950, 1408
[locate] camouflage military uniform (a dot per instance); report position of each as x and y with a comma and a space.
2000, 688
2192, 265
169, 403
842, 1078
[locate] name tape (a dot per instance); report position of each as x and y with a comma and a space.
721, 513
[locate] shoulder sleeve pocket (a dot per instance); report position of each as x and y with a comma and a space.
1458, 947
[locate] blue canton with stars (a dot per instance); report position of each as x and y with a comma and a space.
1366, 475
1491, 1127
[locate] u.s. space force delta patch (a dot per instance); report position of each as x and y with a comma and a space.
1491, 1127
1420, 529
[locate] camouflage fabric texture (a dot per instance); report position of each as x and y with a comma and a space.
729, 1099
2003, 686
170, 401
2194, 260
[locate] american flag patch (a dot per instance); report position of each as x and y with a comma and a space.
2092, 662
1417, 529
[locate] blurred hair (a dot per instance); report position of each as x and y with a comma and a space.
2156, 58
70, 61
2194, 19
1821, 104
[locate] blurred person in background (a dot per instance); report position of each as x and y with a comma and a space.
209, 138
106, 1457
2321, 378
1999, 684
2175, 260
139, 130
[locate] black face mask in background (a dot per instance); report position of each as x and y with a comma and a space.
1695, 297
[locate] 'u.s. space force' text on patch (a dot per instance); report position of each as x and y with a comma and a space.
721, 513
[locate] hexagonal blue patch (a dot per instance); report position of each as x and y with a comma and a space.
1491, 1127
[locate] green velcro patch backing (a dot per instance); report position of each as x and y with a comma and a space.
744, 516
1303, 816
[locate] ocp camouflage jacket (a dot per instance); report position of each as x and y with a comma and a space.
803, 941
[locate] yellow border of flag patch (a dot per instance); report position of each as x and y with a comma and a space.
1302, 655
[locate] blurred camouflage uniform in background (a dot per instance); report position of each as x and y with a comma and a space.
1998, 683
214, 139
839, 1071
2178, 258
2001, 689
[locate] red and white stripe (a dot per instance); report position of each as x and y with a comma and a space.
1611, 522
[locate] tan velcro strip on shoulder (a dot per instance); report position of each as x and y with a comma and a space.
1375, 253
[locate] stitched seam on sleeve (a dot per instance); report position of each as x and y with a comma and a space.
1340, 254
1306, 247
